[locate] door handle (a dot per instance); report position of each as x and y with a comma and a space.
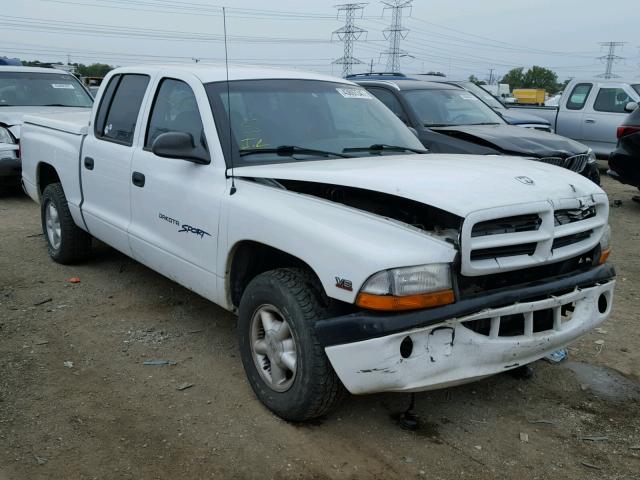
589, 120
88, 163
138, 179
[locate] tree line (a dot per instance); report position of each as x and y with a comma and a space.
535, 77
93, 70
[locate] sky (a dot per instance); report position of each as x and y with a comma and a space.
457, 38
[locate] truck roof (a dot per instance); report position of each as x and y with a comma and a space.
207, 73
10, 68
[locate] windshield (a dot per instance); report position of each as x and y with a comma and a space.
333, 118
31, 89
481, 93
636, 87
443, 108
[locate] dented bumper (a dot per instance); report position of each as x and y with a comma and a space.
471, 346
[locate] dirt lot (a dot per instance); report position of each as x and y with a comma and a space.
107, 415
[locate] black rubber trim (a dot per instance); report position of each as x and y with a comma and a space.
366, 324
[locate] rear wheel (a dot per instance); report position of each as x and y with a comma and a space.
285, 364
66, 242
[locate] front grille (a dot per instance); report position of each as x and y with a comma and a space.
570, 239
509, 251
575, 163
520, 223
533, 234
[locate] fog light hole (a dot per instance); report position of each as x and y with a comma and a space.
406, 347
603, 303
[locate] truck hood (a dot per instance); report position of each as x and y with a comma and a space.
12, 116
459, 184
516, 140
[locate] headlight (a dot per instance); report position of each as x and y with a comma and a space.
5, 136
605, 245
408, 288
592, 156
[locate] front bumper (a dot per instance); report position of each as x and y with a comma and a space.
454, 350
9, 162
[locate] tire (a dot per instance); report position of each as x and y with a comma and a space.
293, 295
71, 244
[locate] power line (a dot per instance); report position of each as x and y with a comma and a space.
348, 34
610, 58
395, 33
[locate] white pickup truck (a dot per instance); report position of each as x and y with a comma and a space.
301, 203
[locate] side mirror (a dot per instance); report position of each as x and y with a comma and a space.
630, 107
180, 145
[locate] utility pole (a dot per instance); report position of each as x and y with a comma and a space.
610, 58
349, 34
491, 76
395, 33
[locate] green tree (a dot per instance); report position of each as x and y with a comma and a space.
93, 70
436, 74
515, 78
540, 77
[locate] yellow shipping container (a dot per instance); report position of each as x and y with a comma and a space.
530, 96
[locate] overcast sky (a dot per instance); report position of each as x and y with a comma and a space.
458, 38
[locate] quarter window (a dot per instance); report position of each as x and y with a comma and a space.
119, 109
612, 100
579, 96
175, 109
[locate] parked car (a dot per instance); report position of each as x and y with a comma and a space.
624, 163
30, 90
448, 119
513, 117
590, 111
296, 201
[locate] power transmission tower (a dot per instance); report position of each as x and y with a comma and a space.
610, 58
395, 33
349, 34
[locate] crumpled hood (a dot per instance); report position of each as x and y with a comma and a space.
12, 116
459, 184
516, 140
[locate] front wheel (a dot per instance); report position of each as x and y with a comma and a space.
285, 364
66, 242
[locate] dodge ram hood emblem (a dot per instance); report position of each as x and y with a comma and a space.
525, 180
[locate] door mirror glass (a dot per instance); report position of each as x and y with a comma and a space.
179, 145
630, 107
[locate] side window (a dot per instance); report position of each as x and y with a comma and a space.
579, 96
118, 112
390, 100
175, 110
611, 100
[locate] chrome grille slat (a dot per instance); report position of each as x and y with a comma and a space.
576, 163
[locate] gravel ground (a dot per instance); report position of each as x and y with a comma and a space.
77, 401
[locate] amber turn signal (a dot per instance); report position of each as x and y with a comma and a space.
409, 302
604, 256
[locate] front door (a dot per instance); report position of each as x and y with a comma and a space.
176, 203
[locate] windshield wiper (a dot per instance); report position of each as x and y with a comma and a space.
56, 105
291, 150
380, 147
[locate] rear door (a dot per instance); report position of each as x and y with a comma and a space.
604, 114
571, 111
106, 160
176, 202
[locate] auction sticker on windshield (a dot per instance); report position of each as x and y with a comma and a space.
354, 93
67, 86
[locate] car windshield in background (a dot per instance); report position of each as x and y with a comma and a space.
296, 120
481, 93
636, 87
30, 89
443, 108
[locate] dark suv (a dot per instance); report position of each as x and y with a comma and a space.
624, 162
450, 119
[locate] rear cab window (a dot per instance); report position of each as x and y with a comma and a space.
119, 108
578, 97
